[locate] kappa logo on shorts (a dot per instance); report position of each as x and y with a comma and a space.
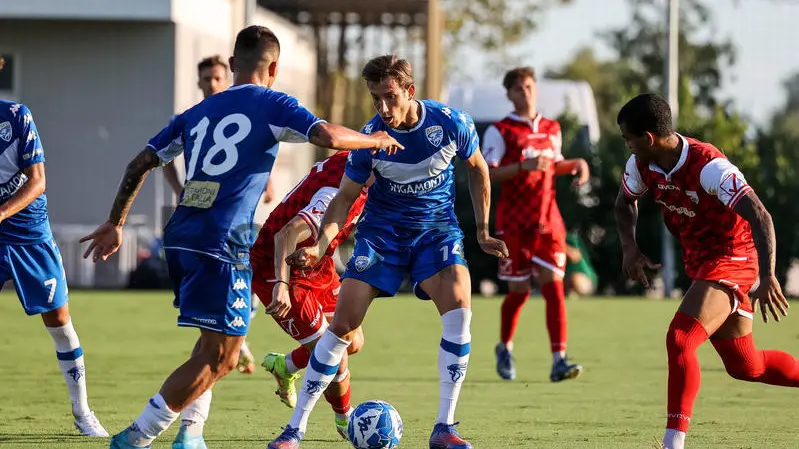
237, 322
240, 284
5, 131
239, 303
434, 134
362, 263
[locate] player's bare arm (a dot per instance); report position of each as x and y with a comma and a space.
32, 189
634, 262
578, 167
329, 135
480, 190
768, 292
296, 230
107, 238
334, 219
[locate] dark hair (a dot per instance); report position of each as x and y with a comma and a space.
211, 61
388, 66
255, 45
517, 74
646, 113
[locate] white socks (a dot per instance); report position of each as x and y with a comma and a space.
195, 415
70, 359
453, 360
674, 439
155, 418
321, 370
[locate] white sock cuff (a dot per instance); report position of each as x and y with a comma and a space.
330, 343
198, 410
65, 337
456, 326
341, 377
159, 403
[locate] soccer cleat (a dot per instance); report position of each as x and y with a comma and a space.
120, 441
246, 364
445, 436
564, 370
89, 426
185, 441
505, 367
275, 363
342, 426
289, 439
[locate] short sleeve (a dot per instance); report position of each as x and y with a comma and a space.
722, 179
315, 210
468, 141
31, 145
291, 121
556, 138
493, 146
168, 143
631, 182
359, 166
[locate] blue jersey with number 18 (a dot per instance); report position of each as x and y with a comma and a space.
230, 142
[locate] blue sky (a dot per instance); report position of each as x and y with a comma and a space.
765, 33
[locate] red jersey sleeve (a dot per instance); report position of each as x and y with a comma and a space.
722, 179
632, 183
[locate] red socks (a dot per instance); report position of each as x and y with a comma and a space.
300, 357
744, 361
555, 298
511, 308
684, 337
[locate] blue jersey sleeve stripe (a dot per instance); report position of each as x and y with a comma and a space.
308, 131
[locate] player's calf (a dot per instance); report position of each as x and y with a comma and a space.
743, 361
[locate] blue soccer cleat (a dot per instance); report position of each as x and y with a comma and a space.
289, 439
445, 436
505, 367
185, 441
120, 441
563, 370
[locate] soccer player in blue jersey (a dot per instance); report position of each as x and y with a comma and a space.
408, 227
230, 141
30, 256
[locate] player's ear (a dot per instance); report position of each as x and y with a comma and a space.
232, 63
273, 69
650, 138
411, 91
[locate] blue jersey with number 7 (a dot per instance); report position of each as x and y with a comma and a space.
230, 141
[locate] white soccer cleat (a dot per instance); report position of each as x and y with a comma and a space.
89, 426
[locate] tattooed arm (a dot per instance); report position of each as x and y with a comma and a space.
338, 137
106, 240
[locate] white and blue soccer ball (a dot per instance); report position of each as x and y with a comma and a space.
375, 425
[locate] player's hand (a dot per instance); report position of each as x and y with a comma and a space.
105, 241
582, 171
281, 301
304, 257
770, 296
634, 265
386, 143
495, 247
537, 163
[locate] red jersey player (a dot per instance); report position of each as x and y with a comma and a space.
302, 300
523, 153
728, 245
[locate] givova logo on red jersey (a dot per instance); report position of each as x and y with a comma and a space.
678, 209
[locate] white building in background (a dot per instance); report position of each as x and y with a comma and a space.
102, 76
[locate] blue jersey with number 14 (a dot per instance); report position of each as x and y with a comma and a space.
230, 142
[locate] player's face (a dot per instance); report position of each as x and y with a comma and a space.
391, 101
212, 80
640, 146
523, 94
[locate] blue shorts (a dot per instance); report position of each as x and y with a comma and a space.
38, 275
382, 257
210, 293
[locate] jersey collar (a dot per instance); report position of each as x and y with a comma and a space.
680, 163
418, 124
532, 122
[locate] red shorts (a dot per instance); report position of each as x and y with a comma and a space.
528, 251
313, 295
739, 274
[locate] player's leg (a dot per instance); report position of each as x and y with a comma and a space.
354, 301
210, 296
704, 308
41, 286
550, 259
194, 417
515, 270
338, 393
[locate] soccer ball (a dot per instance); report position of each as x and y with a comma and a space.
375, 425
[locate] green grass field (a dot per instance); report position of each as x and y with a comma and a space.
131, 343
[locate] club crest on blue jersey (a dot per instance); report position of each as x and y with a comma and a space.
362, 263
5, 131
434, 134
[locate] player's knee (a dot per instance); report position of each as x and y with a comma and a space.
685, 335
342, 326
737, 363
